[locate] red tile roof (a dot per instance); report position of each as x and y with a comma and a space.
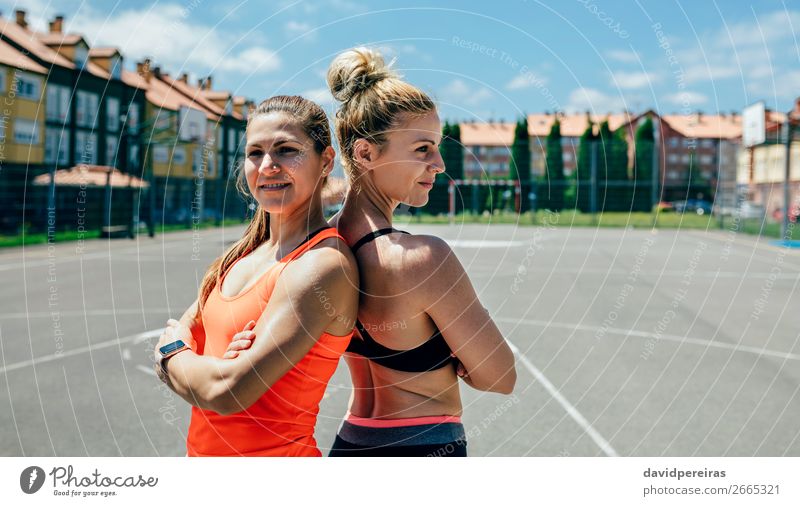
705, 126
28, 40
9, 55
487, 134
104, 52
91, 175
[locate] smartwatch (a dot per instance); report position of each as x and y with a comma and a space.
168, 351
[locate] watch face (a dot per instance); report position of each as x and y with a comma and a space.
169, 348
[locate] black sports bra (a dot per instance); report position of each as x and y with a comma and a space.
431, 355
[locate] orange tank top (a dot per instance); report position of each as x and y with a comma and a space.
281, 422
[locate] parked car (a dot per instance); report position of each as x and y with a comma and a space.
664, 207
777, 215
696, 206
750, 210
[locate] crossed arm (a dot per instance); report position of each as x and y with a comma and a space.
486, 360
290, 325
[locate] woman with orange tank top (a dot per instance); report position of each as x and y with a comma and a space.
290, 280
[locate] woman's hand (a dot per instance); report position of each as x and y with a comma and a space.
241, 341
174, 331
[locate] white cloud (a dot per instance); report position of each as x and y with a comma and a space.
622, 55
590, 99
686, 98
321, 96
254, 59
752, 50
301, 29
633, 80
460, 93
786, 86
523, 81
166, 33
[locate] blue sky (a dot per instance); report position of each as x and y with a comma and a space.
481, 60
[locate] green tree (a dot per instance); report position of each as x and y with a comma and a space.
616, 166
453, 156
583, 170
520, 167
644, 147
550, 194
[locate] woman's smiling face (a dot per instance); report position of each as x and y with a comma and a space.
281, 167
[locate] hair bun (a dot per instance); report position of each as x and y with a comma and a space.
356, 70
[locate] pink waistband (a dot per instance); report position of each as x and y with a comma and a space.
381, 423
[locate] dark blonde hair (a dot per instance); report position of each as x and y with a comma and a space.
372, 96
311, 117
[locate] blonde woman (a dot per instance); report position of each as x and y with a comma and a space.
420, 322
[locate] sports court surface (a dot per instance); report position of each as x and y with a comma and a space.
629, 342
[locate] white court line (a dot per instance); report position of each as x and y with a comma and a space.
569, 408
666, 337
136, 338
78, 312
147, 370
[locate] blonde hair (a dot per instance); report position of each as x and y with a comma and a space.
314, 121
372, 96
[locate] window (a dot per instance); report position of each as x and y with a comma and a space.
706, 159
162, 120
56, 145
111, 150
673, 142
476, 151
211, 164
133, 155
57, 107
567, 157
707, 143
179, 156
112, 114
685, 158
27, 85
86, 111
86, 147
672, 174
3, 73
133, 117
116, 67
160, 154
231, 140
673, 158
26, 132
220, 162
81, 55
197, 161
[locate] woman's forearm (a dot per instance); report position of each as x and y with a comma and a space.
200, 381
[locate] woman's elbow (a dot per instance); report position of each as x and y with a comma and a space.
506, 384
224, 402
234, 394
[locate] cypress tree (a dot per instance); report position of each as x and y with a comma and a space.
583, 170
644, 145
618, 194
550, 194
520, 168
